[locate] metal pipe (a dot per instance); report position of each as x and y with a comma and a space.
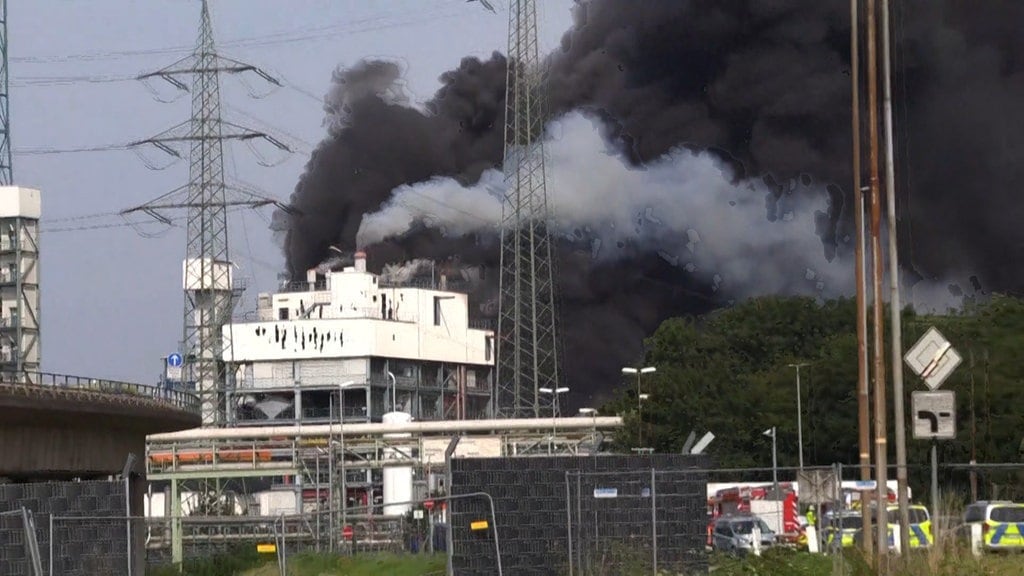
863, 388
895, 308
394, 392
881, 429
433, 427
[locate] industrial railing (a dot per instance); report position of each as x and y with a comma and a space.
185, 401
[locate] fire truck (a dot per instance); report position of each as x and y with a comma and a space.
780, 511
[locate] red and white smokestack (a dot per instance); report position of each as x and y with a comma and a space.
360, 258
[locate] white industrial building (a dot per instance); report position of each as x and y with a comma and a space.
20, 209
403, 362
386, 347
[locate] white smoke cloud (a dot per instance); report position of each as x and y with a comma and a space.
685, 206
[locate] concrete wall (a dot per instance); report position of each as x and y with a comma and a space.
59, 451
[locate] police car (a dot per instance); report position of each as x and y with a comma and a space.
1002, 523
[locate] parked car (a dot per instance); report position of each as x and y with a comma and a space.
1002, 523
735, 534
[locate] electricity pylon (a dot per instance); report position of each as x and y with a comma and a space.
527, 356
6, 170
210, 291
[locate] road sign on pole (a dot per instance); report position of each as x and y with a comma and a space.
173, 367
933, 358
934, 415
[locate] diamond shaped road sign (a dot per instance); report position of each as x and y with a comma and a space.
933, 358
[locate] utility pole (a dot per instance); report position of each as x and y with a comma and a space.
974, 436
895, 307
881, 430
6, 168
528, 356
863, 387
210, 291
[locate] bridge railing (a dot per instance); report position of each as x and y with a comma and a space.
185, 401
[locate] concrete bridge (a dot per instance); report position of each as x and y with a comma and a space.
59, 427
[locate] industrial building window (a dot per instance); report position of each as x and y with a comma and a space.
488, 347
437, 310
282, 314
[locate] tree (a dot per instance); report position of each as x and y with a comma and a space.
728, 372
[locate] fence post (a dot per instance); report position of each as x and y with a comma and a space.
839, 504
579, 521
31, 543
654, 523
52, 571
568, 520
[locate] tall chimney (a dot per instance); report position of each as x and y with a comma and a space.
360, 258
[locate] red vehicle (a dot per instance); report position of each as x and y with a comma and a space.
759, 500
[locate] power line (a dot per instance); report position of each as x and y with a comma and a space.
70, 80
274, 39
48, 150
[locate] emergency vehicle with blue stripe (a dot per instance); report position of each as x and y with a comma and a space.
1002, 523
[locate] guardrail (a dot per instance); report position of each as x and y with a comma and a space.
185, 401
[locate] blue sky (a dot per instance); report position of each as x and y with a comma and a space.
112, 300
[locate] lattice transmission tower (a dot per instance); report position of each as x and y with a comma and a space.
210, 290
6, 171
528, 355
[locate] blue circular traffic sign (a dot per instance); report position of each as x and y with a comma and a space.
174, 360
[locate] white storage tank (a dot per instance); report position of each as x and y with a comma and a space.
397, 479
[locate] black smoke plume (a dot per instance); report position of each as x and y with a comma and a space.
763, 84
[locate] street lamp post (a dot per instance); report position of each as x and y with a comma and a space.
341, 430
554, 409
799, 414
775, 476
639, 397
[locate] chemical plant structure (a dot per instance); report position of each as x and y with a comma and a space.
19, 282
343, 394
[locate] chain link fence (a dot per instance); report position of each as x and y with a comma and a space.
653, 520
89, 545
644, 520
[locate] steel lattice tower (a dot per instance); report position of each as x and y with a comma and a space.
527, 353
210, 292
6, 170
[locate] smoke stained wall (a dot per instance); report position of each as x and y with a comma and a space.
760, 85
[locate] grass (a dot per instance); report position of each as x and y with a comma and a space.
362, 565
953, 561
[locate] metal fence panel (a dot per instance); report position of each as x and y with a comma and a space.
90, 545
640, 520
535, 516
